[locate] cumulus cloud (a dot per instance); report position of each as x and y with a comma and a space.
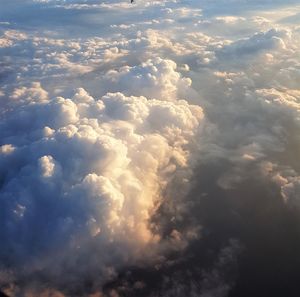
91, 175
158, 78
263, 41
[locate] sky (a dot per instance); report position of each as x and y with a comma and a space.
149, 149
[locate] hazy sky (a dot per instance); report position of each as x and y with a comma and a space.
149, 149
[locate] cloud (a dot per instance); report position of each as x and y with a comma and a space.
157, 78
88, 174
263, 41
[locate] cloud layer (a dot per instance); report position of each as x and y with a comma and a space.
149, 149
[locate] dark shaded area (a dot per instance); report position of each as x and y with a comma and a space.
3, 295
268, 263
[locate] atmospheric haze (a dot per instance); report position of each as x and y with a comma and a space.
149, 149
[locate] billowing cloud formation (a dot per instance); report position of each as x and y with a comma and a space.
111, 181
158, 78
81, 174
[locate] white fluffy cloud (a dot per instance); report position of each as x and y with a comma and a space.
88, 172
157, 78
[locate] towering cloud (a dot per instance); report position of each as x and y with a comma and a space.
82, 177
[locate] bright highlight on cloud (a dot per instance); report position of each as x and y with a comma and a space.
149, 149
